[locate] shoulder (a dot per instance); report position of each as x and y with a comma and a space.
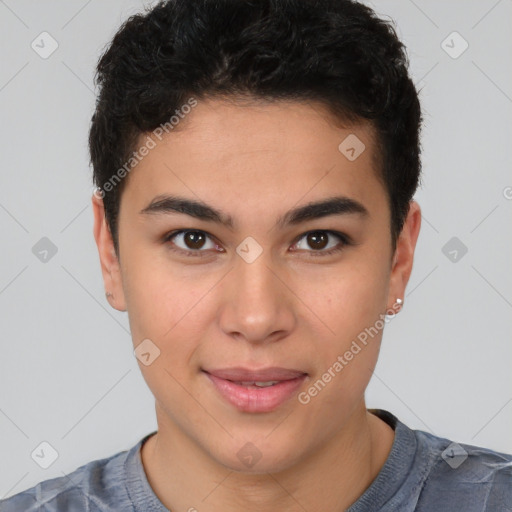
95, 486
468, 476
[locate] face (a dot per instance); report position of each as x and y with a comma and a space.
257, 284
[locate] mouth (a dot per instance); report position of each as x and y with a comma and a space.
256, 391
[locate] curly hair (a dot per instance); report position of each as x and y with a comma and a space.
336, 52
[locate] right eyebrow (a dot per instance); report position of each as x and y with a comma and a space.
175, 204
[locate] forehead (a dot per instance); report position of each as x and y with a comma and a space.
243, 126
238, 153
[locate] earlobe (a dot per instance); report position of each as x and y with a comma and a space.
109, 262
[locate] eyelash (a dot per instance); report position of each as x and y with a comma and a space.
345, 241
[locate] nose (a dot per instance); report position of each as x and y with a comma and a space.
257, 305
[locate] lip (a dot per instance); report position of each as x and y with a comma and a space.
256, 400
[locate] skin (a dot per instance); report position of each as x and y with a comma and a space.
288, 308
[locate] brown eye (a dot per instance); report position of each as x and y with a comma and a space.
190, 242
314, 242
194, 239
317, 239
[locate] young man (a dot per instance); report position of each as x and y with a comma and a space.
256, 164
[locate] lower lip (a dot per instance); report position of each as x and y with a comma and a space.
256, 399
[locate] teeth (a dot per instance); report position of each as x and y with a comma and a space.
266, 384
259, 384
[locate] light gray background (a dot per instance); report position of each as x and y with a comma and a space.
67, 371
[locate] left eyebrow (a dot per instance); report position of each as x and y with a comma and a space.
339, 205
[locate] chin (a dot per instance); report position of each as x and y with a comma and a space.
257, 457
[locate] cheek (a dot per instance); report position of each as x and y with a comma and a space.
349, 299
160, 296
351, 306
172, 307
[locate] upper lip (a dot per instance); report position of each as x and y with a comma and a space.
238, 374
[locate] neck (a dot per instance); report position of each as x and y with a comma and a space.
331, 478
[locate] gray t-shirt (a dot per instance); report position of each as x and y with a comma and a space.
423, 473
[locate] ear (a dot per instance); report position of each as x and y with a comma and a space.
404, 255
110, 267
